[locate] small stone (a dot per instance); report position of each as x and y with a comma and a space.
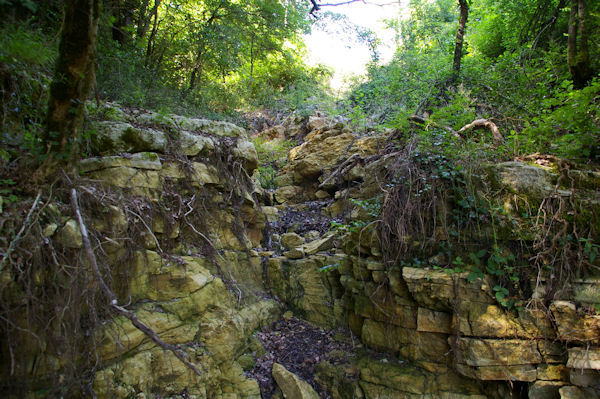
322, 194
50, 229
287, 194
291, 385
69, 235
312, 235
291, 240
295, 253
288, 315
322, 244
584, 358
545, 389
571, 392
246, 361
271, 212
584, 378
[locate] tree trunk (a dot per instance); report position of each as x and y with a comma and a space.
196, 71
145, 20
252, 58
460, 35
577, 48
71, 84
150, 47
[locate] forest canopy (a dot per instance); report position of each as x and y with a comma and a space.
530, 66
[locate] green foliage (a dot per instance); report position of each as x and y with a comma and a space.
272, 155
371, 207
514, 72
23, 44
267, 177
8, 190
590, 249
568, 124
272, 151
26, 59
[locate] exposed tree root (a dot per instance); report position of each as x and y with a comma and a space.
477, 123
347, 166
179, 354
485, 123
13, 243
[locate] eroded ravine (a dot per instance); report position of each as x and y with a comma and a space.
300, 272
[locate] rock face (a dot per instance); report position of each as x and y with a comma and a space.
442, 323
130, 134
181, 297
202, 276
176, 226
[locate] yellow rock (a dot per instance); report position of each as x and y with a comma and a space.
291, 385
497, 352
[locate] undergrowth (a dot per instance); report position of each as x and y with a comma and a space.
272, 156
438, 213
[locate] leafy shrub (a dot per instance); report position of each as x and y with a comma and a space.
25, 45
569, 123
266, 176
26, 61
272, 151
272, 154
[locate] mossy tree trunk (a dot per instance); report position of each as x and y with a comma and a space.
71, 85
577, 49
460, 36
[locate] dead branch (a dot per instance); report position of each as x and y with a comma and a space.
179, 354
485, 123
345, 167
13, 243
317, 6
147, 228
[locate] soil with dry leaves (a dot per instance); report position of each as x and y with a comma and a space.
302, 219
299, 347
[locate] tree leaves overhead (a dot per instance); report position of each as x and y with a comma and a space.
209, 39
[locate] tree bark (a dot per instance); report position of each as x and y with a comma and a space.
577, 46
71, 84
143, 21
150, 46
460, 36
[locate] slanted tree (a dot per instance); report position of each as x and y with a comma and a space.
70, 86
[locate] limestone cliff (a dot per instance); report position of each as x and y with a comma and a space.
206, 257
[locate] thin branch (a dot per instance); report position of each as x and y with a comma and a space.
17, 238
346, 166
179, 354
317, 6
147, 228
421, 120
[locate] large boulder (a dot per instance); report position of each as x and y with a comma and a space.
521, 178
113, 137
